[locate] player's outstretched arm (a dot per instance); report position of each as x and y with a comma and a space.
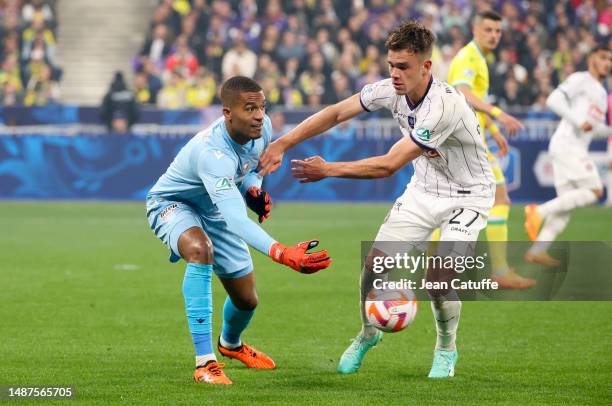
296, 257
601, 130
216, 170
316, 124
316, 168
512, 124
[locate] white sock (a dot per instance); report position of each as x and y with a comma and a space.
229, 346
553, 226
201, 360
446, 314
567, 201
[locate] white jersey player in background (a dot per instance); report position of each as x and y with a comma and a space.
581, 101
453, 187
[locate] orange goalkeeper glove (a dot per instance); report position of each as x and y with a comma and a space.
297, 257
259, 201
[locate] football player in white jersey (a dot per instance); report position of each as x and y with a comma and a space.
582, 102
453, 186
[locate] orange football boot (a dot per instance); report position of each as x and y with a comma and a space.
533, 221
213, 373
249, 356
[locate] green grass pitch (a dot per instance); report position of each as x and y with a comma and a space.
89, 299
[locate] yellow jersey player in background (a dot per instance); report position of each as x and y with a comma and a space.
470, 75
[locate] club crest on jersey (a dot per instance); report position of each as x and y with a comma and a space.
411, 121
423, 133
468, 73
223, 184
245, 167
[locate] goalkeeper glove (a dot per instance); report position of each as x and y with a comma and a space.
259, 201
297, 257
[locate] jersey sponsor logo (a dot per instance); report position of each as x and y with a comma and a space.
167, 212
460, 230
223, 184
423, 133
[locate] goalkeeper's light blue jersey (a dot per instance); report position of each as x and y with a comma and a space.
207, 167
212, 172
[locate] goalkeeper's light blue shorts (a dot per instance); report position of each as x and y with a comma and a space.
169, 219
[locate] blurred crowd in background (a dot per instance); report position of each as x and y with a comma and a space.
29, 72
312, 52
308, 52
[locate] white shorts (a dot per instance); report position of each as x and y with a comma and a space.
576, 171
415, 215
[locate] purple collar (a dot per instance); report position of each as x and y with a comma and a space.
414, 106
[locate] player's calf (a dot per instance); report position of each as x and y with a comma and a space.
197, 291
446, 308
196, 248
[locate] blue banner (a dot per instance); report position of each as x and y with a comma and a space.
62, 114
125, 167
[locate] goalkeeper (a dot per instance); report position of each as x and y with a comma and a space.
197, 208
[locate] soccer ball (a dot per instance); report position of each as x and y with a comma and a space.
390, 310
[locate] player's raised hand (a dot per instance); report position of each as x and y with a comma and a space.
297, 256
271, 159
259, 201
512, 124
311, 169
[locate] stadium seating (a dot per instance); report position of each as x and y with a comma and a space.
312, 53
29, 72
